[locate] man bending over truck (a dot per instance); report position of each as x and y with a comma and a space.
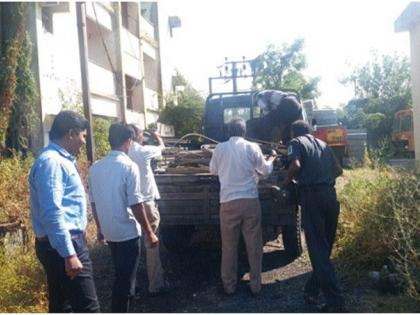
237, 162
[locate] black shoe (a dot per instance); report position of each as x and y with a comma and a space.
225, 294
310, 299
167, 288
332, 309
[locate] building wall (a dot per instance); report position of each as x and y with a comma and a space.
168, 45
57, 64
415, 78
58, 60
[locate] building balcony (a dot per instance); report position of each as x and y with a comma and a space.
101, 80
103, 14
131, 59
147, 29
151, 99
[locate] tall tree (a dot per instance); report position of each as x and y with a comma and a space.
282, 67
382, 87
184, 109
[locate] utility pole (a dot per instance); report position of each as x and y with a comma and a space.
234, 73
83, 52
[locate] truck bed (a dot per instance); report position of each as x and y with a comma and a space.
194, 200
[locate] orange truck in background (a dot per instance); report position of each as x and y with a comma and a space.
403, 133
326, 127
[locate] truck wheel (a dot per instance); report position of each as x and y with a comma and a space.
291, 237
177, 238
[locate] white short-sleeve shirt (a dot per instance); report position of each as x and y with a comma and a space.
142, 155
114, 186
237, 162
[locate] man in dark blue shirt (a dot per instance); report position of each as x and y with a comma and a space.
59, 218
314, 166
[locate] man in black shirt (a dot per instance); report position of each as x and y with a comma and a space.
314, 166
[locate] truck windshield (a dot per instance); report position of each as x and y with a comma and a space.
406, 124
236, 112
325, 117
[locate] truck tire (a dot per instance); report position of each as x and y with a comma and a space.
177, 238
291, 235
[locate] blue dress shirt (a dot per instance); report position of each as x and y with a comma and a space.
58, 199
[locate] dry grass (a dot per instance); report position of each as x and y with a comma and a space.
380, 223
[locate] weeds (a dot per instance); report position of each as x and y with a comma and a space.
22, 284
380, 224
14, 189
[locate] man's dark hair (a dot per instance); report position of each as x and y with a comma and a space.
300, 128
236, 127
118, 134
66, 121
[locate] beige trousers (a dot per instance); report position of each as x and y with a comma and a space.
236, 217
153, 263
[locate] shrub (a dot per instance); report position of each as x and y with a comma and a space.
22, 284
380, 222
100, 134
14, 189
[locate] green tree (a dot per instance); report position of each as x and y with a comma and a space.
12, 26
184, 110
382, 87
23, 117
281, 68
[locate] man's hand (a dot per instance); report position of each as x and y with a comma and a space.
100, 237
272, 156
152, 239
73, 266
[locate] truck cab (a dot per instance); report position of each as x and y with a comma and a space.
326, 127
403, 133
220, 108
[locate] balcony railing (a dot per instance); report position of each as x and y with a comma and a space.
146, 28
151, 99
104, 16
101, 80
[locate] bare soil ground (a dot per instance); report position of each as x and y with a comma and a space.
195, 275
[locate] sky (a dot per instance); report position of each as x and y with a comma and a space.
339, 35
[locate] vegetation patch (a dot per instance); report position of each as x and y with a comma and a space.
14, 189
380, 224
22, 284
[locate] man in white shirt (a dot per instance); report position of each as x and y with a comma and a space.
142, 155
118, 209
237, 162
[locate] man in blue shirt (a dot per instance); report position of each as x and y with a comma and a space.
314, 166
58, 208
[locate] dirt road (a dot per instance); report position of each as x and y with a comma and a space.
196, 277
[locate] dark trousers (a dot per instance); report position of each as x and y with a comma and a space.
126, 258
65, 295
320, 210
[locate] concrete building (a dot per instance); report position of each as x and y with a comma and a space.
124, 42
409, 20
